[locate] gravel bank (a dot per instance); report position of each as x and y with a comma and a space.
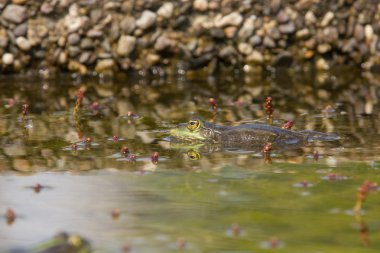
107, 36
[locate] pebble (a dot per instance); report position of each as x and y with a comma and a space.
3, 40
23, 43
268, 42
8, 59
246, 31
125, 45
310, 18
200, 5
368, 32
288, 28
104, 65
321, 64
86, 43
21, 30
166, 10
14, 13
162, 43
73, 39
128, 24
147, 20
327, 19
255, 40
359, 32
232, 19
245, 48
323, 48
255, 57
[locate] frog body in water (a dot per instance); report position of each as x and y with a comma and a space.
246, 135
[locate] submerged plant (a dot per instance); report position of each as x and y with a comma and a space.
364, 189
266, 150
268, 107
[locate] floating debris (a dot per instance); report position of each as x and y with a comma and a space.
272, 243
181, 243
334, 177
303, 184
132, 158
74, 147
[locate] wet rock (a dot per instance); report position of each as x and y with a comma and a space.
105, 65
288, 28
245, 48
162, 43
255, 57
232, 19
14, 13
200, 5
73, 39
75, 66
23, 43
152, 59
147, 20
166, 10
327, 18
125, 45
229, 54
8, 59
283, 59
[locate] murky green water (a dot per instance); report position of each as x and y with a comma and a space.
227, 201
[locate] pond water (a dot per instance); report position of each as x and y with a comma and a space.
194, 198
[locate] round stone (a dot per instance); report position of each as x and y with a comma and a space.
8, 59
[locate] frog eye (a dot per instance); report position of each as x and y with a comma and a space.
193, 125
193, 155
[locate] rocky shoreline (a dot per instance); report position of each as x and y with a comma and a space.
108, 36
